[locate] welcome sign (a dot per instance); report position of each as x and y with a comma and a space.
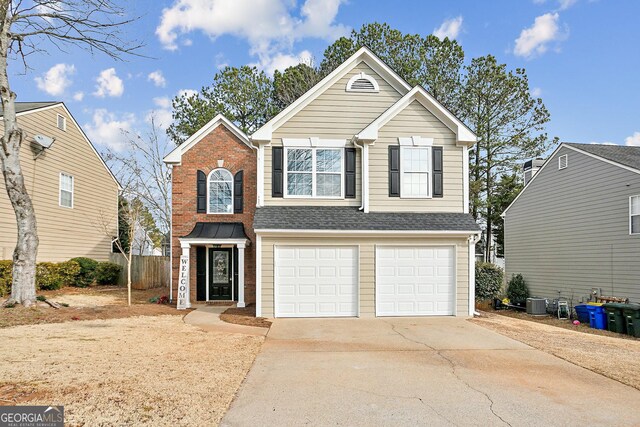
183, 283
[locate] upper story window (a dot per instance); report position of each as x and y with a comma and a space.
415, 172
66, 190
634, 215
220, 192
563, 161
362, 83
61, 122
314, 172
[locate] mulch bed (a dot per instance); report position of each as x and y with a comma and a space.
244, 316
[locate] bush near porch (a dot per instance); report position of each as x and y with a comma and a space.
489, 279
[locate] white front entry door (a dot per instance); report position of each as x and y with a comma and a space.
415, 280
316, 281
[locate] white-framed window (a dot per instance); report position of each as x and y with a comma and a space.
634, 215
314, 172
61, 122
563, 161
220, 192
65, 198
415, 172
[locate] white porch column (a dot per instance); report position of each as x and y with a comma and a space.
472, 274
184, 299
241, 247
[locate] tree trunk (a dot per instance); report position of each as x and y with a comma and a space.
23, 289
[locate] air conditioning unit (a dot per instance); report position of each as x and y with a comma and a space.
536, 306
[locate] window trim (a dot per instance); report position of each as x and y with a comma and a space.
313, 173
566, 163
631, 215
362, 76
429, 171
73, 184
64, 122
209, 192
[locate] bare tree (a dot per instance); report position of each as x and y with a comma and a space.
27, 28
140, 165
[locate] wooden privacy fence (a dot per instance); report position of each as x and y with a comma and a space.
147, 272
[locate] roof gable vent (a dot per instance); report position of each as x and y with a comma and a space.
362, 82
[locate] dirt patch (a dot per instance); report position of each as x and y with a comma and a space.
86, 304
154, 370
244, 316
614, 357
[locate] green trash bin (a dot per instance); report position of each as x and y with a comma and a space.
632, 319
616, 320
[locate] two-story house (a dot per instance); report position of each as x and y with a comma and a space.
352, 201
74, 194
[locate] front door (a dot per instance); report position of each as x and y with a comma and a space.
220, 274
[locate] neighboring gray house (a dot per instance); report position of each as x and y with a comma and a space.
576, 224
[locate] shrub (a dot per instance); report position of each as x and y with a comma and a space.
488, 280
47, 276
87, 273
517, 290
107, 273
68, 272
6, 271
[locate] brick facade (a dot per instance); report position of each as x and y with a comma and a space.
220, 144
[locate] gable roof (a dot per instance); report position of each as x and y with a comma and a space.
464, 135
362, 55
24, 108
622, 156
175, 156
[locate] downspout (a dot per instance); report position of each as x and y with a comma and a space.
171, 243
354, 140
473, 239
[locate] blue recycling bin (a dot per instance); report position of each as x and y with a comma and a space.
597, 317
582, 313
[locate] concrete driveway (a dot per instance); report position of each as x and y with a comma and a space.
419, 371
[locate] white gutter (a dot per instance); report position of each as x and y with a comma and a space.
362, 177
463, 233
472, 273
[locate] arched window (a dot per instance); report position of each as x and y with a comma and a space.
362, 82
220, 192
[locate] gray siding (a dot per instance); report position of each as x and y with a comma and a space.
569, 231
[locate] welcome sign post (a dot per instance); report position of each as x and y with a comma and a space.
183, 284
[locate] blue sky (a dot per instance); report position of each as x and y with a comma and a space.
582, 56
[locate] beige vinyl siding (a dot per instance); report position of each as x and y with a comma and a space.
335, 114
415, 120
569, 231
64, 232
366, 245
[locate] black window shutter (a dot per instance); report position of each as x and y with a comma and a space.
350, 173
437, 172
201, 273
277, 171
394, 171
237, 192
201, 189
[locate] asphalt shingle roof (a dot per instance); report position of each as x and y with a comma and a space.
350, 218
625, 155
21, 107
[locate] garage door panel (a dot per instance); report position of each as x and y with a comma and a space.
414, 281
316, 281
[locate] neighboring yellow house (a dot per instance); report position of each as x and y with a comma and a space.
74, 193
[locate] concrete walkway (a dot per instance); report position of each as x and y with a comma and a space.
419, 371
207, 317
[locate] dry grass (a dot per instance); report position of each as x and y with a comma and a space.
139, 370
615, 357
244, 316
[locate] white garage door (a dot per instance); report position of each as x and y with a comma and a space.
415, 281
316, 281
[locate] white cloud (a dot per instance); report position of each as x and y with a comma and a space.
271, 27
157, 78
56, 80
162, 102
566, 4
78, 96
282, 61
162, 118
536, 92
106, 128
633, 140
109, 84
449, 28
535, 39
187, 92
